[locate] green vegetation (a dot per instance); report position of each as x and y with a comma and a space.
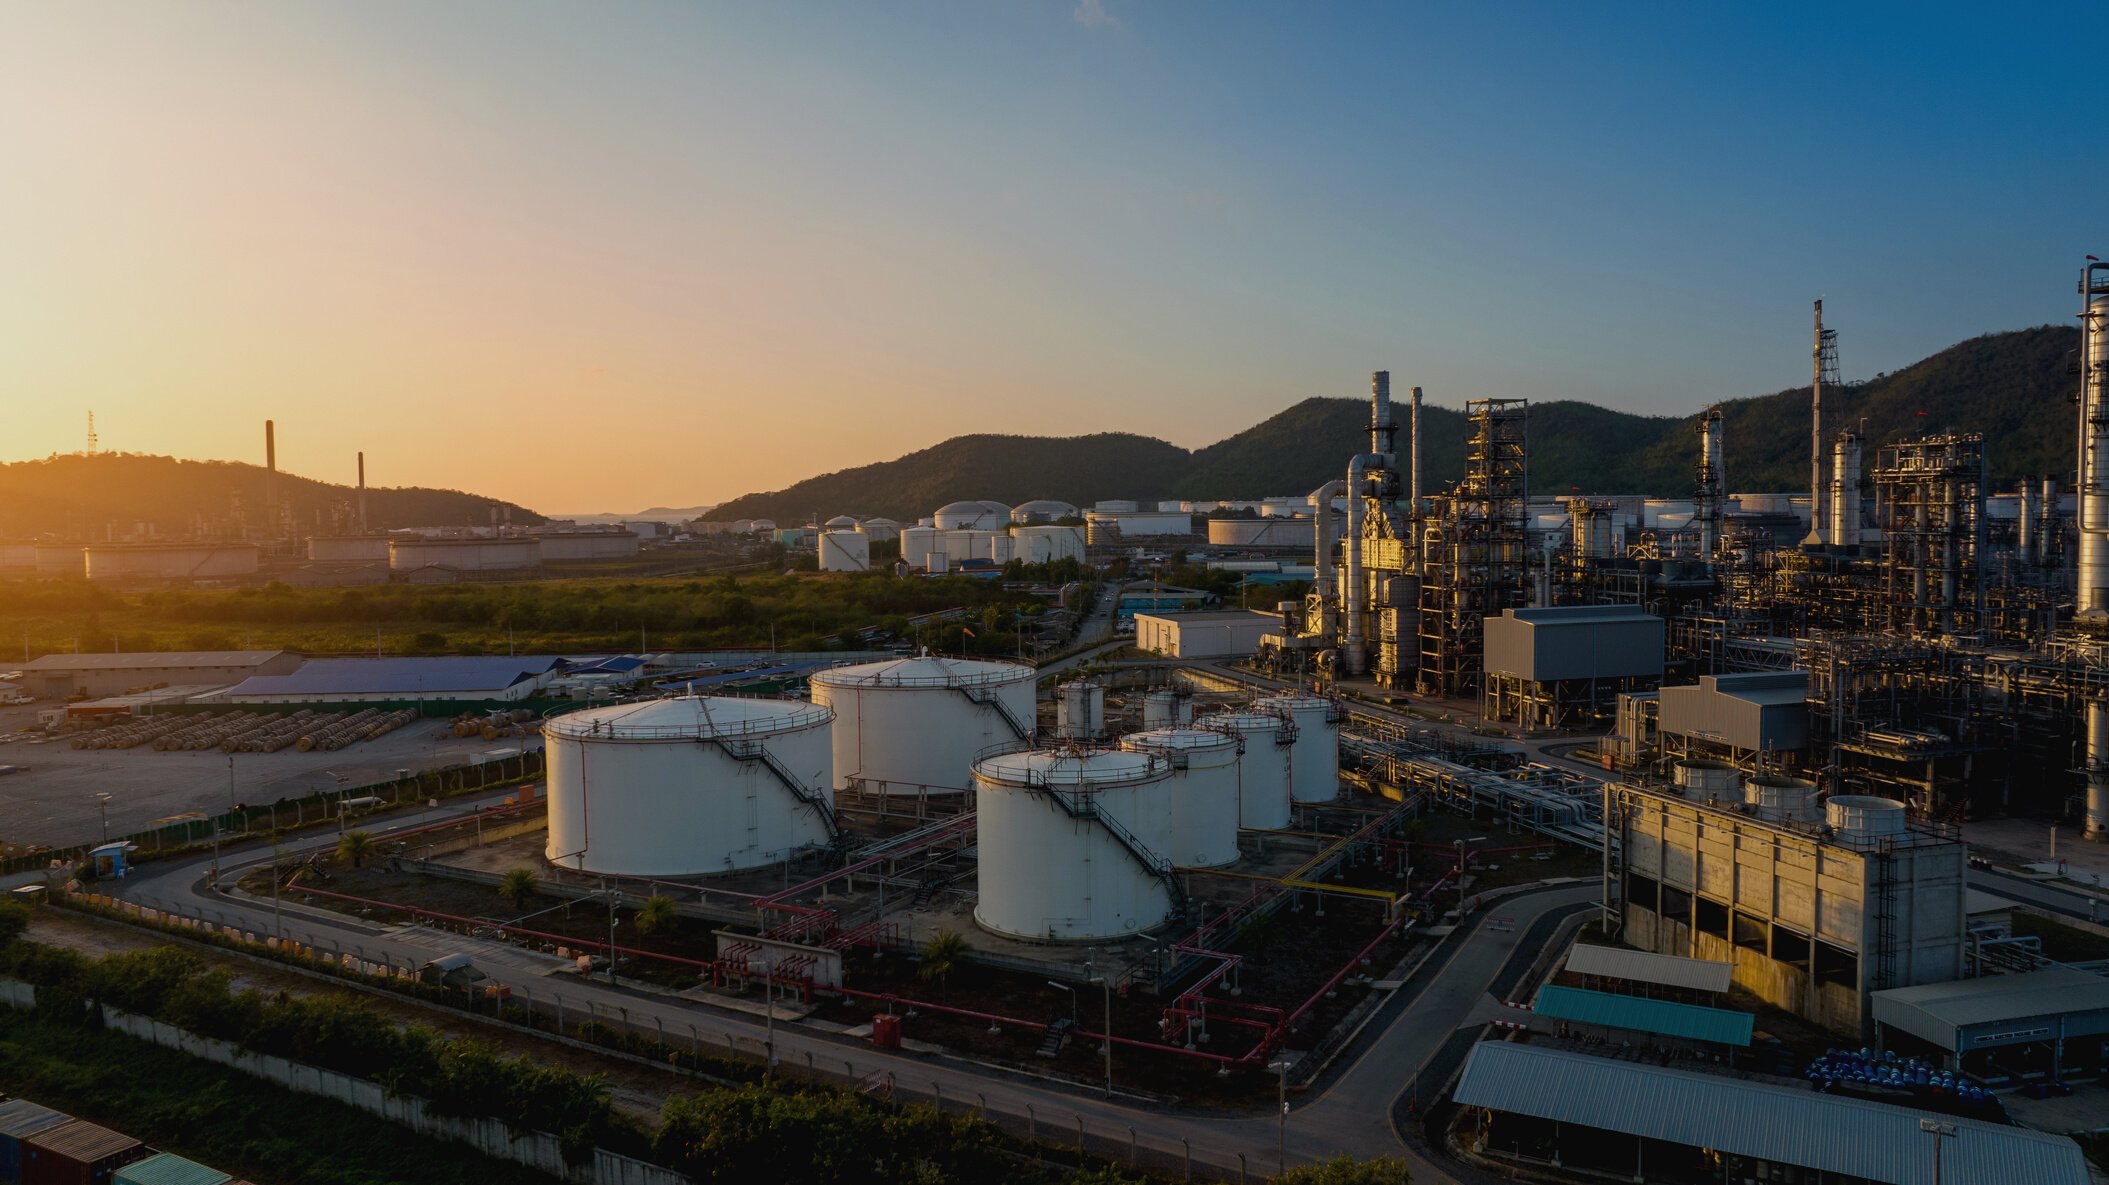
517, 885
74, 495
656, 915
801, 612
356, 847
1342, 1171
2011, 386
942, 954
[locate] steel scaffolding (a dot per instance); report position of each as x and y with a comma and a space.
1474, 548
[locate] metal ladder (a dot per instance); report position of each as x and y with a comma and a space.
1086, 807
988, 697
744, 749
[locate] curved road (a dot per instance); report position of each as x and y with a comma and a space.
1348, 1112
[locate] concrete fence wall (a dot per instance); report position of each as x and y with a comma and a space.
536, 1150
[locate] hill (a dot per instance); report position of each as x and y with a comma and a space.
2015, 387
83, 496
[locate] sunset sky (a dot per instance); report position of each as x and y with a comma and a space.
602, 256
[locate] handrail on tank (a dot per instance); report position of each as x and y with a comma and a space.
807, 716
1019, 674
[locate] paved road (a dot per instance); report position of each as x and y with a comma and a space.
1347, 1113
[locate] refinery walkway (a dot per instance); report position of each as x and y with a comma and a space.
1349, 1111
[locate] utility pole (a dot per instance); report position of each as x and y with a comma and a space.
102, 804
1107, 988
1937, 1129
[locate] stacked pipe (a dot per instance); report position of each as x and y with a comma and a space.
340, 731
207, 733
127, 735
273, 733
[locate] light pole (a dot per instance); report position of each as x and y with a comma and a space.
1281, 1131
1072, 999
1936, 1129
102, 805
611, 932
1461, 874
1107, 1046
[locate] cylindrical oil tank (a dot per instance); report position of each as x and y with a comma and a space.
348, 549
845, 551
1080, 710
1002, 547
916, 545
1705, 781
1781, 799
687, 786
170, 561
1314, 760
1166, 708
590, 545
1263, 770
1204, 792
1864, 816
1299, 533
465, 555
61, 559
912, 725
1050, 867
1047, 544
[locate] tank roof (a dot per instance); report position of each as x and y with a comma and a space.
1178, 738
689, 716
926, 670
1057, 767
1244, 721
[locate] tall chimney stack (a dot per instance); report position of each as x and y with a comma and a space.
270, 479
362, 493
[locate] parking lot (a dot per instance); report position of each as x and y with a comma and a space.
51, 798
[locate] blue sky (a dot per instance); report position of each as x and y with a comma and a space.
748, 243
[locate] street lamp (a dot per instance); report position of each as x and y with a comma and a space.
102, 804
1281, 1131
1107, 1045
1937, 1129
1461, 874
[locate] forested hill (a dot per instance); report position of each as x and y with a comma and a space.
83, 496
2014, 387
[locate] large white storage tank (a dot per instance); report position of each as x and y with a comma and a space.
1072, 846
1314, 760
1263, 532
170, 561
465, 555
917, 544
1263, 770
845, 551
687, 786
1080, 710
913, 725
590, 545
1047, 544
348, 549
1167, 707
1204, 792
957, 516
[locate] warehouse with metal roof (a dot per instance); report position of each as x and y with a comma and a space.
1741, 714
2054, 1021
1647, 1122
358, 680
1616, 965
1638, 1014
58, 676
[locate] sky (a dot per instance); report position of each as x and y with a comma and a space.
600, 257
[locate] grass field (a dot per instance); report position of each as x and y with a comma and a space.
795, 612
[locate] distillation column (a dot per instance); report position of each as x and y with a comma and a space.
2025, 542
1845, 491
1709, 503
1818, 487
2092, 617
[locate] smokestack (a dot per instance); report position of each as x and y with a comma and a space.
1818, 519
1380, 412
362, 493
1413, 469
270, 479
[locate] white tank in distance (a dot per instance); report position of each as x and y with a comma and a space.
913, 725
1165, 707
845, 551
1046, 874
687, 786
1204, 792
1263, 770
1314, 763
1080, 710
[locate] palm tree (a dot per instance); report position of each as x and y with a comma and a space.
943, 952
356, 847
656, 914
518, 885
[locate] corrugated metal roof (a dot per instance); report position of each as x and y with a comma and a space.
1690, 1021
1799, 1127
395, 676
1639, 966
167, 1168
20, 1117
147, 660
1936, 1011
80, 1141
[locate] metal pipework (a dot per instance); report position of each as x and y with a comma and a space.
1322, 564
271, 479
2093, 576
1413, 478
2025, 544
1708, 500
2046, 518
1845, 490
1817, 484
362, 493
2097, 771
1354, 649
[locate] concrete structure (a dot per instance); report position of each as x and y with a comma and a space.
348, 549
465, 555
1072, 845
469, 679
845, 551
1737, 715
163, 563
1228, 633
1314, 758
1298, 533
1268, 742
2054, 1021
913, 725
1815, 917
1204, 792
58, 676
560, 546
688, 786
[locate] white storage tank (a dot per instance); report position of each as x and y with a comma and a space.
1167, 707
348, 549
917, 544
845, 551
170, 561
882, 530
61, 559
1050, 867
1204, 792
560, 546
1781, 799
465, 555
1001, 547
1263, 769
1080, 710
1707, 781
1048, 544
1864, 816
687, 786
911, 725
1314, 761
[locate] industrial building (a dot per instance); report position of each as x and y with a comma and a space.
1742, 718
1228, 633
397, 680
1816, 907
1562, 666
2053, 1022
60, 676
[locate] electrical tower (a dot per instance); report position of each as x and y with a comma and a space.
91, 433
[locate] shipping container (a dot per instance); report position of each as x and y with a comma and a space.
167, 1168
76, 1153
19, 1118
